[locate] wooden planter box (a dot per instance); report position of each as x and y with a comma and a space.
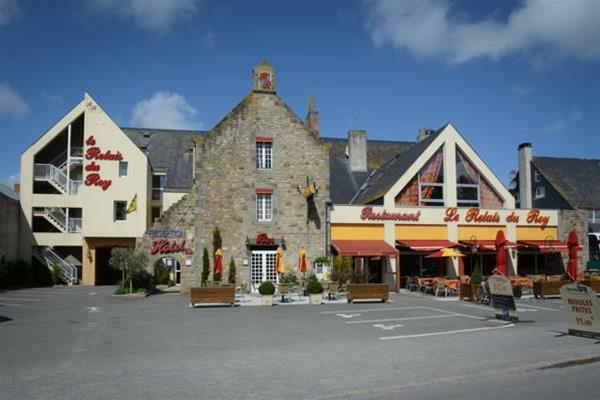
368, 291
467, 291
542, 288
218, 295
593, 283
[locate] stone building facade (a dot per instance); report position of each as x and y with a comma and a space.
229, 181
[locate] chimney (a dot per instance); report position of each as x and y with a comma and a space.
17, 188
357, 150
423, 133
525, 175
312, 117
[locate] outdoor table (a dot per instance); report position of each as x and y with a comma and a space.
452, 283
522, 281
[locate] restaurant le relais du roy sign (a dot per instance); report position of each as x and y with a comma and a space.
531, 217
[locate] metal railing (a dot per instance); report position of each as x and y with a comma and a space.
59, 217
68, 272
75, 225
57, 177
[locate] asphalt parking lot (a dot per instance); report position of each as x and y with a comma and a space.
82, 343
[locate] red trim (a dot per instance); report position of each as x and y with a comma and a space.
264, 139
363, 248
545, 246
264, 191
425, 245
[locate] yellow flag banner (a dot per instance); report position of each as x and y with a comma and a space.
132, 205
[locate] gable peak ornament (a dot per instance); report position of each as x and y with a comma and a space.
263, 77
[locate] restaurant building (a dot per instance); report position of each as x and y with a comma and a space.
266, 179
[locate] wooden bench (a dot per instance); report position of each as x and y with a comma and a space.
217, 295
550, 288
368, 291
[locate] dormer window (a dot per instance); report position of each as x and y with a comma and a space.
540, 192
264, 153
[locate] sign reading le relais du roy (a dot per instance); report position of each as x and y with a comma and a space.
583, 310
460, 215
94, 153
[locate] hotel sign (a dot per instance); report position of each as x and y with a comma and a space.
475, 215
93, 154
583, 310
166, 233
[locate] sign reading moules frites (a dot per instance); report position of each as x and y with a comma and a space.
583, 310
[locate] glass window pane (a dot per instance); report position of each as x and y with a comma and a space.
466, 193
465, 172
433, 171
432, 192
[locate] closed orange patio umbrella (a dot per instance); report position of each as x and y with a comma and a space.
218, 261
302, 261
279, 267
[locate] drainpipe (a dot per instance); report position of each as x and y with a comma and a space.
328, 205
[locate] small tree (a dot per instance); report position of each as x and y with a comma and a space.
129, 262
232, 272
119, 259
205, 266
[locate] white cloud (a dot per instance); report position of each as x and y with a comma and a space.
563, 120
11, 103
11, 180
521, 90
541, 30
9, 10
151, 15
167, 111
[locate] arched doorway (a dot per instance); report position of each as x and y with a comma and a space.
167, 271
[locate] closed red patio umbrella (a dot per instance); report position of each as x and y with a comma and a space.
302, 261
500, 242
218, 261
573, 245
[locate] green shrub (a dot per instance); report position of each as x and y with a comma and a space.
40, 274
56, 277
21, 274
342, 269
161, 273
266, 288
205, 267
314, 286
517, 291
232, 272
289, 279
476, 276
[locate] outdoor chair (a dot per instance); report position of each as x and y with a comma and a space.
283, 290
332, 290
412, 284
425, 286
440, 286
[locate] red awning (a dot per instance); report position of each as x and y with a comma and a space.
546, 246
363, 248
425, 245
486, 245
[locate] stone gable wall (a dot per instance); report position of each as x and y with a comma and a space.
227, 178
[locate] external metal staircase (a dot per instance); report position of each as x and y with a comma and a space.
68, 271
55, 172
59, 219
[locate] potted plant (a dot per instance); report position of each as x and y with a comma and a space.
314, 289
266, 290
469, 290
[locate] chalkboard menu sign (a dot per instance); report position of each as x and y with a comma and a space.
502, 298
583, 310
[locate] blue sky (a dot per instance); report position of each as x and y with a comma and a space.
503, 72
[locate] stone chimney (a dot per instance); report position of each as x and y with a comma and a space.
17, 187
357, 150
312, 117
423, 133
525, 175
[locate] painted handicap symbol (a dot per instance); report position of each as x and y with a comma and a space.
347, 315
387, 327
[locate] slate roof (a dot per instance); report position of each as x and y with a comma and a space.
381, 180
169, 151
378, 151
576, 179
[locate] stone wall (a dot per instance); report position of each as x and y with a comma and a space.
577, 220
227, 179
10, 214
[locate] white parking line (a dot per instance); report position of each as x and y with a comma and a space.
401, 319
454, 313
373, 309
541, 308
489, 328
19, 299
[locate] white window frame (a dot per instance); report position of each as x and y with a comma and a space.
264, 155
264, 207
536, 176
540, 192
123, 165
158, 189
115, 210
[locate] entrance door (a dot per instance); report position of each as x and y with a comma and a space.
262, 268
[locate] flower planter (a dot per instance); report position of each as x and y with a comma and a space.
266, 299
315, 298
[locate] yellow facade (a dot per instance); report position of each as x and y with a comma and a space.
470, 232
537, 233
357, 232
434, 232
